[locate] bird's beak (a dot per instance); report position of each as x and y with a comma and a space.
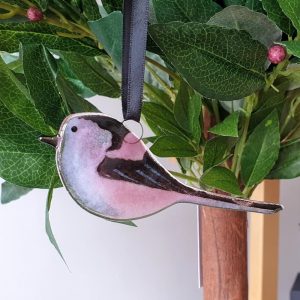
49, 140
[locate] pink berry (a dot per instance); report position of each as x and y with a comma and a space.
34, 14
276, 54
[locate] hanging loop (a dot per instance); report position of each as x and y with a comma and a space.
136, 128
135, 27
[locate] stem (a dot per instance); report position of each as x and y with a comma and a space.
247, 192
8, 15
68, 26
12, 11
286, 122
215, 107
163, 68
79, 30
290, 134
28, 3
294, 104
239, 148
61, 16
277, 71
72, 24
85, 29
62, 22
186, 177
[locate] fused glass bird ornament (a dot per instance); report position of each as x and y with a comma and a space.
107, 169
111, 173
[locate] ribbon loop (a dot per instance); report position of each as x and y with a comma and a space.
135, 26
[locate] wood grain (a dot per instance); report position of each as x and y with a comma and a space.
264, 241
224, 254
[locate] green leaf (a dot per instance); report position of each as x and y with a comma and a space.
261, 151
47, 219
75, 83
187, 111
21, 78
151, 76
293, 79
69, 10
40, 70
150, 139
109, 33
185, 165
293, 47
112, 5
24, 160
275, 13
232, 106
91, 9
215, 152
93, 75
173, 146
161, 120
16, 67
11, 34
76, 3
291, 8
42, 4
256, 24
220, 63
222, 179
270, 100
296, 133
255, 5
288, 163
234, 2
290, 116
128, 223
158, 96
228, 127
75, 103
15, 2
15, 97
11, 192
186, 11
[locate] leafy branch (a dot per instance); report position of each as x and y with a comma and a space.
221, 86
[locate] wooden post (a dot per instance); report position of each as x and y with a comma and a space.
224, 254
264, 240
223, 243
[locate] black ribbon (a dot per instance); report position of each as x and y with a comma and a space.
135, 26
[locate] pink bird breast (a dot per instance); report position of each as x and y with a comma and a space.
89, 143
110, 173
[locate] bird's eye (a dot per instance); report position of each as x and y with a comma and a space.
74, 129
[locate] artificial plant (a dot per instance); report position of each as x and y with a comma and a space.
221, 92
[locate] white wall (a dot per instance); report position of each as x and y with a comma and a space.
157, 260
289, 251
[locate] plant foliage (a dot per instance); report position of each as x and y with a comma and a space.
211, 98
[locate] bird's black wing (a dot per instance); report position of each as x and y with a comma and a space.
148, 172
145, 172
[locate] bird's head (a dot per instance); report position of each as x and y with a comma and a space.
86, 133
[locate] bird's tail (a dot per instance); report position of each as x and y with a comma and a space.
201, 197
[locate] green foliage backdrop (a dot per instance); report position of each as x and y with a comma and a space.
211, 98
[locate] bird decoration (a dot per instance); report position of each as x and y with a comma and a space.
110, 172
